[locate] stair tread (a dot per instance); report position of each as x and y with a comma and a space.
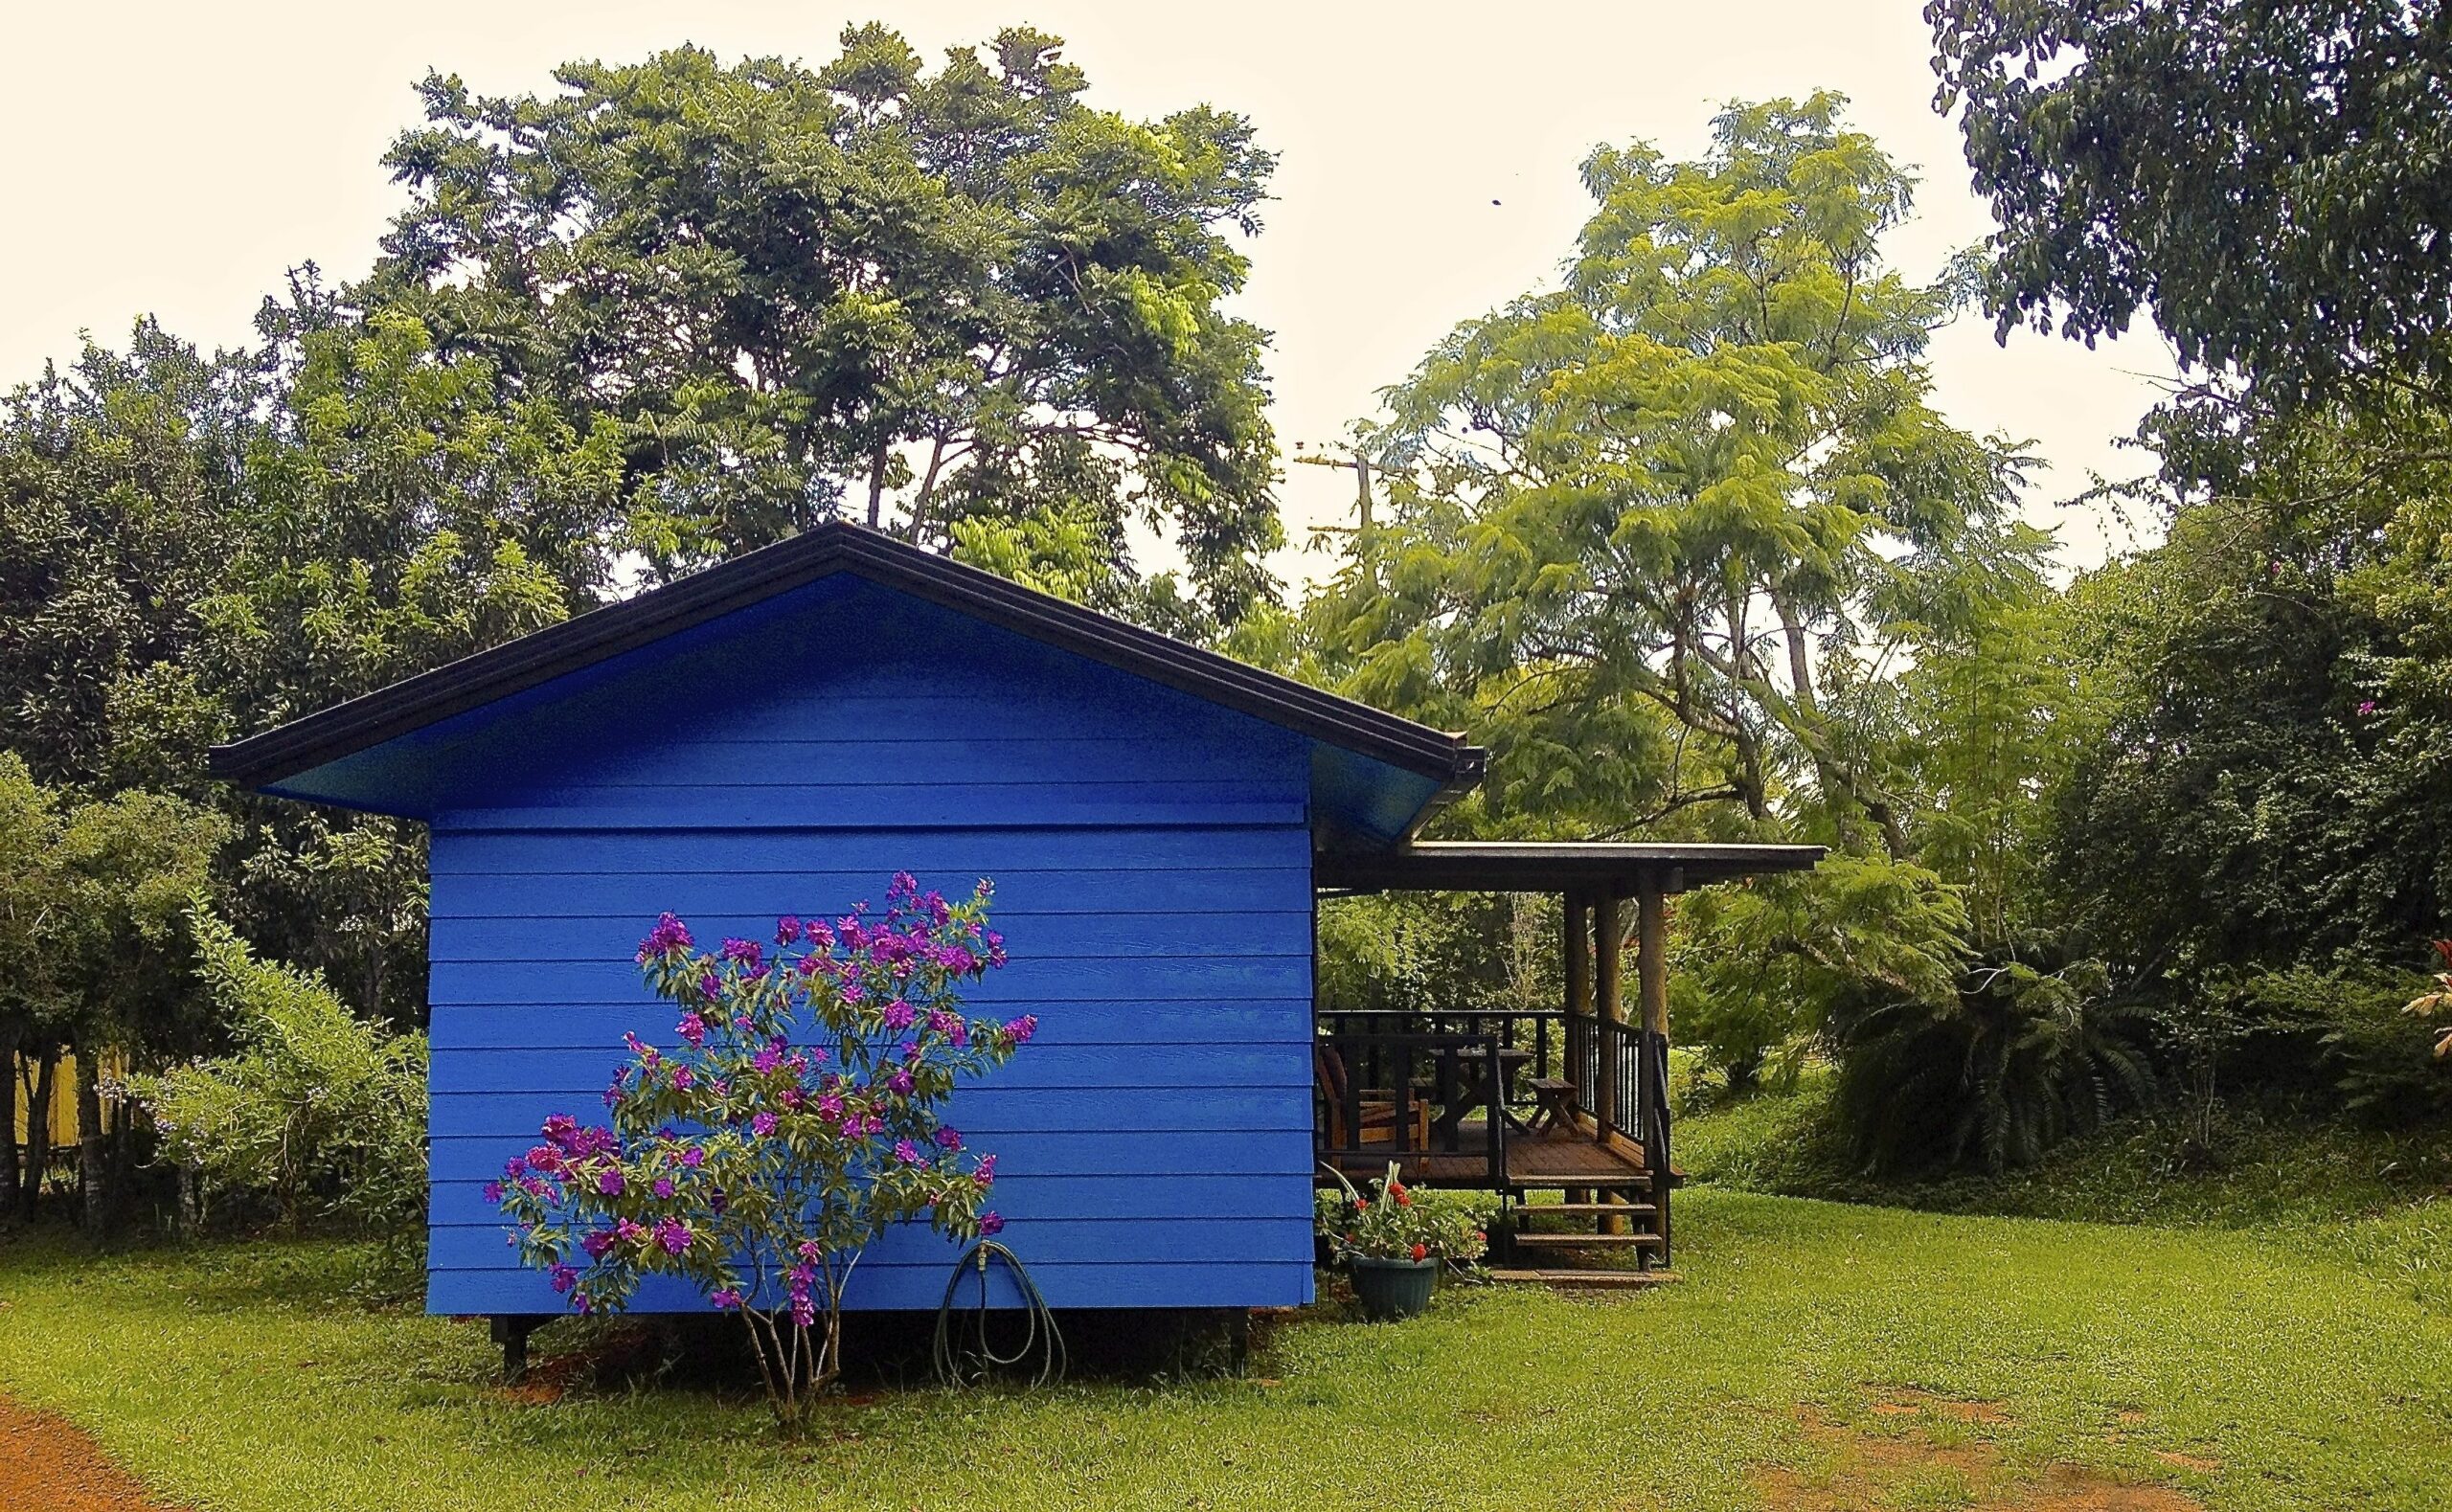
1586, 1210
1594, 1279
1565, 1240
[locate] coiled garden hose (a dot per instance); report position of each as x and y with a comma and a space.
1041, 1335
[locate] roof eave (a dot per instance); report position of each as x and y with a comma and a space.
484, 677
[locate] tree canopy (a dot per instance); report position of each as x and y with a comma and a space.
922, 295
1652, 529
2267, 181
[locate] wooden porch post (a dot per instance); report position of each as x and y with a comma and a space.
1652, 967
1651, 962
1579, 964
1609, 933
1610, 930
1578, 943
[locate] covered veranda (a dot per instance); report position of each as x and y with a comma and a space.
1572, 1100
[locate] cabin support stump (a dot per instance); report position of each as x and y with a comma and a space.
510, 1330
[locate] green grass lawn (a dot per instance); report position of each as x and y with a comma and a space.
242, 1377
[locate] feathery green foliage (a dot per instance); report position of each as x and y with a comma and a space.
314, 1108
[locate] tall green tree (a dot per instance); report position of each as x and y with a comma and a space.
29, 998
2269, 181
116, 479
120, 877
922, 297
1645, 524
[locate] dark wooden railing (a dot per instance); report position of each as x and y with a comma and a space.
1620, 1072
1384, 1073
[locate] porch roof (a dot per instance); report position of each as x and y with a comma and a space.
1623, 868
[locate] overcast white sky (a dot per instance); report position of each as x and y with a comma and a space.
175, 158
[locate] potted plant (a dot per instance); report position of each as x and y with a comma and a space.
1394, 1245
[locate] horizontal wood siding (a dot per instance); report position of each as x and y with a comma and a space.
1151, 858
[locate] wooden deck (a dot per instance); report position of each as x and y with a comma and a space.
1560, 1158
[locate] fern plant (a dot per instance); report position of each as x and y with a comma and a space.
2020, 1058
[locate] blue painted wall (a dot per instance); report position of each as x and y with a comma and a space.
1151, 854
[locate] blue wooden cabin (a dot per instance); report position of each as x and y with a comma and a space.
780, 732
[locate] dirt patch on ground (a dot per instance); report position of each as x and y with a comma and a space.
45, 1463
1906, 1402
1925, 1455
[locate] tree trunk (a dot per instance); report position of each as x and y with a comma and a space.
8, 1121
877, 486
37, 1131
93, 1146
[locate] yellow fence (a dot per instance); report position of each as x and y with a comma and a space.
63, 1101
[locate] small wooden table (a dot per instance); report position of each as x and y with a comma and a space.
1473, 1089
1553, 1103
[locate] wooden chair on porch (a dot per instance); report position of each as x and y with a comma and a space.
1375, 1116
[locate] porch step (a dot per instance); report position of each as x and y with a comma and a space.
1577, 1241
1586, 1280
1586, 1210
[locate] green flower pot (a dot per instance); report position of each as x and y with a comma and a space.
1390, 1290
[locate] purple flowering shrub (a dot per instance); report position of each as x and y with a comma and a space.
795, 1119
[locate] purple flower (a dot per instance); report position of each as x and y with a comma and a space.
711, 986
694, 1157
787, 930
597, 1243
991, 1223
949, 1136
693, 1029
829, 1107
1022, 1028
907, 1152
763, 1125
683, 1078
727, 1300
563, 1278
898, 1015
669, 936
985, 1175
2368, 707
900, 1082
609, 1181
664, 1188
766, 1061
673, 1234
751, 956
493, 1194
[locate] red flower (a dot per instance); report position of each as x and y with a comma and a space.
1404, 1199
1420, 1251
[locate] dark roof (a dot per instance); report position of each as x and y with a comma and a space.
840, 547
1506, 866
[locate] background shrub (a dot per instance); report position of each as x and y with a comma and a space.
316, 1110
